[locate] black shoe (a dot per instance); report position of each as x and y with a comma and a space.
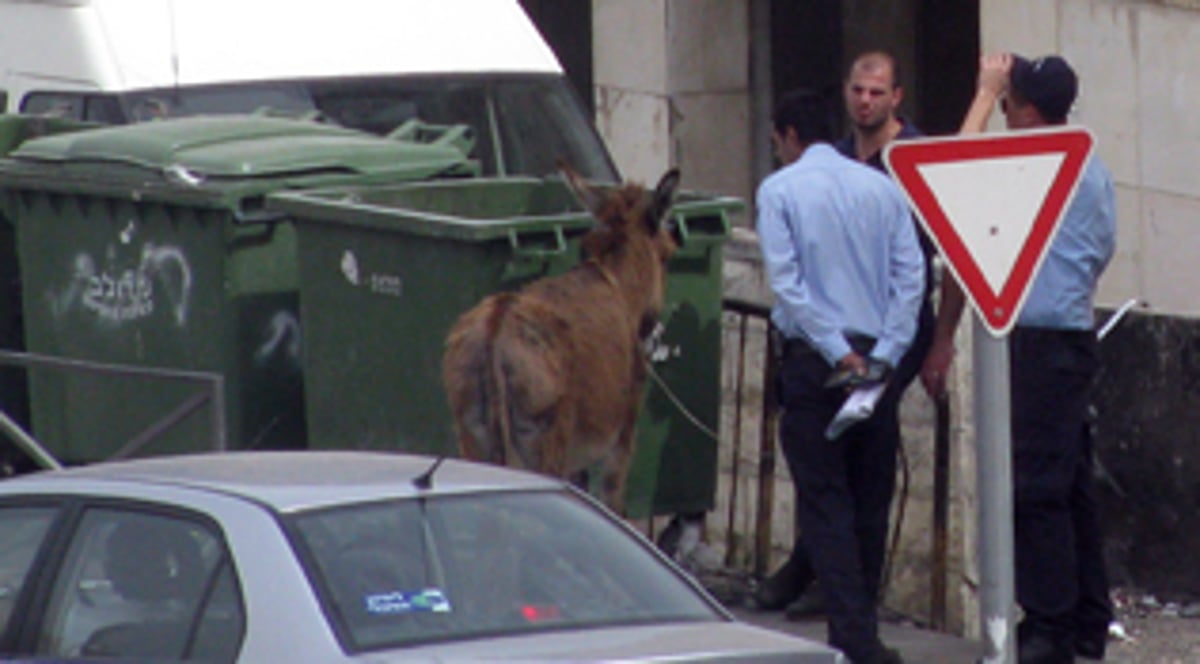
890, 656
881, 655
784, 586
1091, 647
1036, 646
1090, 630
810, 604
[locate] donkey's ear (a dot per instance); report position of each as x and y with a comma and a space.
588, 197
664, 196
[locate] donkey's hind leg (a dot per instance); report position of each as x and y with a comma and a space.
616, 470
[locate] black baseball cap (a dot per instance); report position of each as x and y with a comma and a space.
1048, 83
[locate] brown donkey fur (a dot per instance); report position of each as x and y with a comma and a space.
550, 378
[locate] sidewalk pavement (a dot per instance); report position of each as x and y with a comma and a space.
918, 646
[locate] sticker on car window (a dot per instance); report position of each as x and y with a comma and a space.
430, 600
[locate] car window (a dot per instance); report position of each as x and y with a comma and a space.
55, 104
486, 564
143, 585
22, 530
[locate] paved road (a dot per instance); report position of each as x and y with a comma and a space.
919, 646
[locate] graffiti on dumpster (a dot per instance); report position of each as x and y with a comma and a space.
282, 336
161, 279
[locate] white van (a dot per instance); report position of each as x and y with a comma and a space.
366, 64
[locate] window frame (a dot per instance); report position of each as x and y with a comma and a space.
11, 634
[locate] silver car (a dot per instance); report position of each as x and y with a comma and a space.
341, 557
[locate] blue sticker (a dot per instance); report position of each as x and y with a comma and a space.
430, 600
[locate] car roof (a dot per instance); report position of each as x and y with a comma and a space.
288, 480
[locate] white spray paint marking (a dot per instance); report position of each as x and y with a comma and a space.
997, 633
168, 266
126, 235
283, 333
657, 349
117, 295
377, 282
350, 267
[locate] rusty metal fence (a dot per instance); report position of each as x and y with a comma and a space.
211, 393
753, 510
748, 355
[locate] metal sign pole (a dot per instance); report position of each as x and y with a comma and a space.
993, 439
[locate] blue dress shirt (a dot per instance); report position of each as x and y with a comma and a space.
1061, 296
841, 255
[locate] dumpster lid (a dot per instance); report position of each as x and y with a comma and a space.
483, 209
474, 209
244, 146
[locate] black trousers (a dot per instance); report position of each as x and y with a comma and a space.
844, 491
906, 372
1060, 578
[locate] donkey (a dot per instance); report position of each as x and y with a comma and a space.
550, 377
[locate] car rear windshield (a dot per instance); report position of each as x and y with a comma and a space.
459, 567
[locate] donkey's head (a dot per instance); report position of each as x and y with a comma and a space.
633, 239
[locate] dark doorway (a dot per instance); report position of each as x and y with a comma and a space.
947, 61
936, 43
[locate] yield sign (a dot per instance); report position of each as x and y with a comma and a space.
992, 204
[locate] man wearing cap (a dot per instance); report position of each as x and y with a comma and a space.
1061, 583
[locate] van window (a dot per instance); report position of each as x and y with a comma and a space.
523, 124
56, 104
104, 109
288, 98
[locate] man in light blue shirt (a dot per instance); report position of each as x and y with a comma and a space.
848, 276
1061, 583
1061, 295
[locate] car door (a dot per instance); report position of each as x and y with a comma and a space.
135, 581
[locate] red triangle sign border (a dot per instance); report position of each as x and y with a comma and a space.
998, 310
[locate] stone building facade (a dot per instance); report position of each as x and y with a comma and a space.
690, 82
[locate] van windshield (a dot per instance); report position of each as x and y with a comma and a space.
523, 125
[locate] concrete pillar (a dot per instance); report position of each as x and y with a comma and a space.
673, 88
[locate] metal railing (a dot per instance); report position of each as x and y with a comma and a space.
743, 313
213, 396
768, 409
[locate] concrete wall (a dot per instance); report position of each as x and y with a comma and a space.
672, 88
1139, 88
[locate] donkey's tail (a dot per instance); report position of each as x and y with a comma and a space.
497, 398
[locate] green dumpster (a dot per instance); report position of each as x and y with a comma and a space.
150, 245
675, 466
14, 399
389, 269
